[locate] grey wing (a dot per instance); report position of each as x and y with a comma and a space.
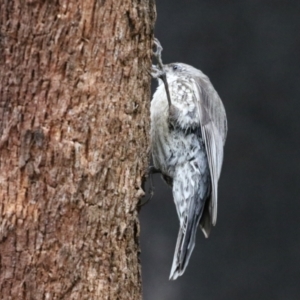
213, 123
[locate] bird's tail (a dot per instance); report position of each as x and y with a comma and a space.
184, 247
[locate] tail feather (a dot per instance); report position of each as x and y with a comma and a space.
184, 247
191, 190
206, 219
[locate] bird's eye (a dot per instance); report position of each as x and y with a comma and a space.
175, 67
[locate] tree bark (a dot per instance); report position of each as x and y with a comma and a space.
74, 99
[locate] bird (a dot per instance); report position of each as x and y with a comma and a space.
188, 133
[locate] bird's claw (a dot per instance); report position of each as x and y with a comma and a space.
150, 171
157, 72
157, 53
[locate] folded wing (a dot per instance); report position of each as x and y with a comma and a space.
213, 124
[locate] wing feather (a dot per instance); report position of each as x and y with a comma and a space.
213, 124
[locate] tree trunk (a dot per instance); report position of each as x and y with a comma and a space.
74, 99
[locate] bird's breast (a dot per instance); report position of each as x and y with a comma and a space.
173, 143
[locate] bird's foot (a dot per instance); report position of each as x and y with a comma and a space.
151, 170
157, 53
157, 72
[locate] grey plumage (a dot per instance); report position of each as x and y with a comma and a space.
187, 140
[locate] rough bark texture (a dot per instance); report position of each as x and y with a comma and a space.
74, 98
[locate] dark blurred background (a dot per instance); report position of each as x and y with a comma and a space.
251, 52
